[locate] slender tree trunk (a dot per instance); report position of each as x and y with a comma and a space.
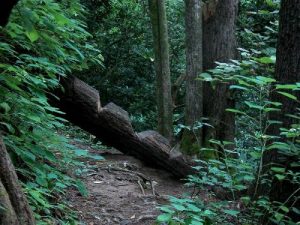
16, 208
219, 44
194, 88
162, 67
287, 71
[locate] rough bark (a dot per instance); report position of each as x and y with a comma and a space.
17, 199
7, 212
194, 88
111, 125
287, 71
219, 45
162, 67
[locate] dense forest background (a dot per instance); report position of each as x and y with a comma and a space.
218, 80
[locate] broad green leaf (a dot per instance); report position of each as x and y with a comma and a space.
253, 105
284, 208
286, 86
32, 34
287, 95
81, 152
266, 60
235, 111
179, 207
238, 87
280, 177
278, 169
231, 212
266, 79
206, 76
164, 217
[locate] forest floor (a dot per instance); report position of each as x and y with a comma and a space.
122, 190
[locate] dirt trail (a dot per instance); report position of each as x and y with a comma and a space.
116, 187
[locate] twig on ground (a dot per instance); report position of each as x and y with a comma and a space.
141, 186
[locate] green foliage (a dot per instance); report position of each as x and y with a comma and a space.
123, 29
43, 42
239, 183
185, 212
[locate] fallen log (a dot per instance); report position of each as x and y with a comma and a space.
112, 126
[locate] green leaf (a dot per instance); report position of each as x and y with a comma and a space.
235, 111
166, 209
5, 106
266, 60
278, 169
293, 97
231, 212
34, 118
266, 79
32, 34
280, 177
61, 19
193, 208
284, 208
81, 188
238, 87
278, 216
81, 152
286, 86
164, 217
206, 76
179, 207
254, 105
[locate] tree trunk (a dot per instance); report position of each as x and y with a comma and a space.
287, 72
5, 10
219, 44
191, 141
111, 125
7, 212
16, 208
162, 67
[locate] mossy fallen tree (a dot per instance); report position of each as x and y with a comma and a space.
111, 125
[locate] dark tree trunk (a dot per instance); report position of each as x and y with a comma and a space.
287, 71
5, 10
7, 212
17, 210
111, 125
219, 44
191, 141
162, 67
194, 98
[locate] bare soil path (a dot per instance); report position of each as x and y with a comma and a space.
123, 191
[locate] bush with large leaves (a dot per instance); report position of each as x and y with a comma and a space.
44, 41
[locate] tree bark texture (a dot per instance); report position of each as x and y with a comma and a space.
287, 59
111, 125
162, 67
16, 208
219, 45
287, 72
194, 89
191, 140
